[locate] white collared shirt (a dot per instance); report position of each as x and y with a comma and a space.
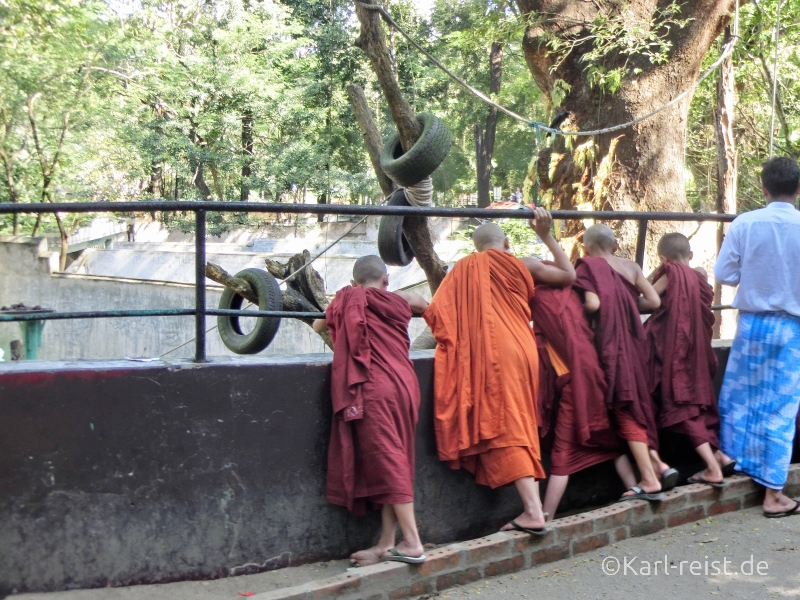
761, 254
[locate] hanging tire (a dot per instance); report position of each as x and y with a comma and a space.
393, 246
269, 298
424, 157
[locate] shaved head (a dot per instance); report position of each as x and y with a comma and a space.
369, 269
674, 246
599, 237
488, 235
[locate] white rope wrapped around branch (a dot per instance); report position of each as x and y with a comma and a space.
420, 194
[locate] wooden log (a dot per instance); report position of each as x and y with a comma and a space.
240, 286
370, 133
372, 41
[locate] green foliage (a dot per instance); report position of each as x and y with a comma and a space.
614, 37
140, 99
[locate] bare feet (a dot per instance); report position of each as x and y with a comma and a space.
370, 556
406, 549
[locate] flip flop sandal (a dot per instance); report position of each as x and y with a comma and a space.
700, 479
528, 530
786, 513
728, 468
397, 556
640, 494
669, 479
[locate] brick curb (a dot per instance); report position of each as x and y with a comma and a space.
505, 552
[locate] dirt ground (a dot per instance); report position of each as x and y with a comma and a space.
738, 555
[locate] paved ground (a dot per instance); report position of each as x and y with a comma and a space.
739, 537
729, 550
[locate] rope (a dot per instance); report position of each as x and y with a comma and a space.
726, 51
775, 78
420, 194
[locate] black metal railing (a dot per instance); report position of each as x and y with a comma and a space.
200, 208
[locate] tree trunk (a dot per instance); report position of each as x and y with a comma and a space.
156, 186
372, 41
372, 137
215, 178
643, 167
726, 157
196, 165
484, 141
247, 151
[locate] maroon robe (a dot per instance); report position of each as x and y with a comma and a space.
375, 396
572, 409
621, 345
681, 360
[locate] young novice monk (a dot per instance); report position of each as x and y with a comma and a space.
682, 362
575, 423
611, 287
375, 396
486, 367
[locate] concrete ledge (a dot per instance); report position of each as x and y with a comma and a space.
506, 552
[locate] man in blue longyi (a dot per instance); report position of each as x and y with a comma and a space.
760, 395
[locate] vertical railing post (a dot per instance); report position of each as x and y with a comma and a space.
641, 240
200, 286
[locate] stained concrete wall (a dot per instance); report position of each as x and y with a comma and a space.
118, 473
27, 274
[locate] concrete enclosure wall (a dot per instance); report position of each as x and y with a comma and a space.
27, 275
119, 472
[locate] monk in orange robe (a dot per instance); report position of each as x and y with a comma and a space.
682, 362
486, 366
376, 397
615, 290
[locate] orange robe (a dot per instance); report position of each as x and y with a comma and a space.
486, 369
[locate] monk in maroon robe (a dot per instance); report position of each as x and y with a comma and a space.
611, 287
681, 361
574, 421
375, 396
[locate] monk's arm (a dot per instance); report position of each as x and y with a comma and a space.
418, 303
702, 272
319, 325
552, 274
649, 300
541, 224
660, 286
591, 302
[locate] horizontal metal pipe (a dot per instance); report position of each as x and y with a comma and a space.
356, 210
180, 312
98, 314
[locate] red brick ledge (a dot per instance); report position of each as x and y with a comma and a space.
506, 552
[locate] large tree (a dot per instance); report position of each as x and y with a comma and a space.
609, 62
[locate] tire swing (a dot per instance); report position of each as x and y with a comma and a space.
407, 169
423, 158
269, 297
393, 247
